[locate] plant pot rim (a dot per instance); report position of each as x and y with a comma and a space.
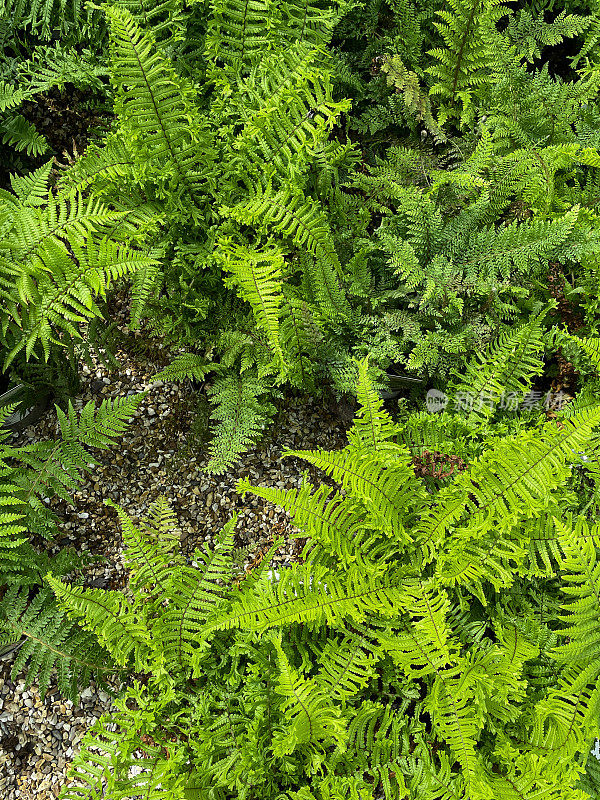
20, 420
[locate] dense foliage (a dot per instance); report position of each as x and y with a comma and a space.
439, 640
289, 190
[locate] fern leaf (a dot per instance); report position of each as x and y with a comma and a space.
301, 220
106, 614
379, 483
312, 594
240, 415
582, 588
456, 721
17, 132
372, 424
32, 189
186, 365
312, 718
505, 371
50, 641
258, 276
195, 594
156, 104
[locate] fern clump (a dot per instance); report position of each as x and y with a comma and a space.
279, 247
438, 639
29, 476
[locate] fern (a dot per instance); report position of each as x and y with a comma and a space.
240, 418
311, 718
505, 371
186, 365
50, 642
468, 32
240, 32
299, 219
54, 262
258, 274
284, 667
157, 109
28, 612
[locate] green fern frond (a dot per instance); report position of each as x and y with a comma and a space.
373, 425
156, 105
257, 273
241, 415
151, 556
121, 629
287, 107
467, 28
117, 760
333, 522
63, 298
301, 220
237, 32
423, 645
21, 134
50, 641
301, 330
32, 189
186, 365
99, 426
591, 347
505, 371
307, 593
196, 594
310, 716
347, 664
582, 588
386, 486
519, 473
457, 722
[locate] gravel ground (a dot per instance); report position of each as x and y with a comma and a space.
162, 454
